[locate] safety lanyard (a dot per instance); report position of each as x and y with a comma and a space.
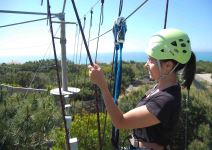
119, 31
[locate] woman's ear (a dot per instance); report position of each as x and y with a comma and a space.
168, 65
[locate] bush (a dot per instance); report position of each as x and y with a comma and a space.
24, 123
84, 127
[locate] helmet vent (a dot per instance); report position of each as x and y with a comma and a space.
184, 51
183, 45
171, 53
174, 43
162, 50
181, 40
176, 50
188, 41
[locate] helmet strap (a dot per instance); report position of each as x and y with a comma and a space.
173, 68
163, 76
159, 68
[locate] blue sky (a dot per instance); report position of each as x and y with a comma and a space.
32, 40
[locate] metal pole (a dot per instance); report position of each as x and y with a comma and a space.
63, 54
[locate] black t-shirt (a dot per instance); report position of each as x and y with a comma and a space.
165, 105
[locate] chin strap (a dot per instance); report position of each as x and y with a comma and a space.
163, 76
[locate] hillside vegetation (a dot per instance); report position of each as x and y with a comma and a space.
34, 121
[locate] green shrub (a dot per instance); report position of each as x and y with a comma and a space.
26, 122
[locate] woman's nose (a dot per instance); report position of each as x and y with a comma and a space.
146, 65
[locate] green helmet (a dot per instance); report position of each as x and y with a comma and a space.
170, 44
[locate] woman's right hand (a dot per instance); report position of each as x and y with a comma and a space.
97, 76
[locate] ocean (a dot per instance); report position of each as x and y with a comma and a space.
103, 57
137, 57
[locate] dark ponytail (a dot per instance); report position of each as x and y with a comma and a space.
189, 72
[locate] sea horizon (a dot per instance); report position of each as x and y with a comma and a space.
102, 57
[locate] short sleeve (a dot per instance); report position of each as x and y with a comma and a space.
161, 106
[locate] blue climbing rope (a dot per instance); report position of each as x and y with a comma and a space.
119, 30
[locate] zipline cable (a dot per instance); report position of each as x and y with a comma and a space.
91, 8
102, 12
188, 89
101, 18
30, 21
77, 49
98, 117
27, 13
119, 31
105, 111
89, 35
124, 20
84, 22
64, 6
166, 13
117, 68
120, 7
75, 41
41, 3
58, 78
91, 62
83, 35
13, 24
88, 120
115, 131
91, 23
101, 35
186, 119
39, 66
136, 10
100, 23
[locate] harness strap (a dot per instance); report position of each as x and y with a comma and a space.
147, 145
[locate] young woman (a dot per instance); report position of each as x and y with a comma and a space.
156, 114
